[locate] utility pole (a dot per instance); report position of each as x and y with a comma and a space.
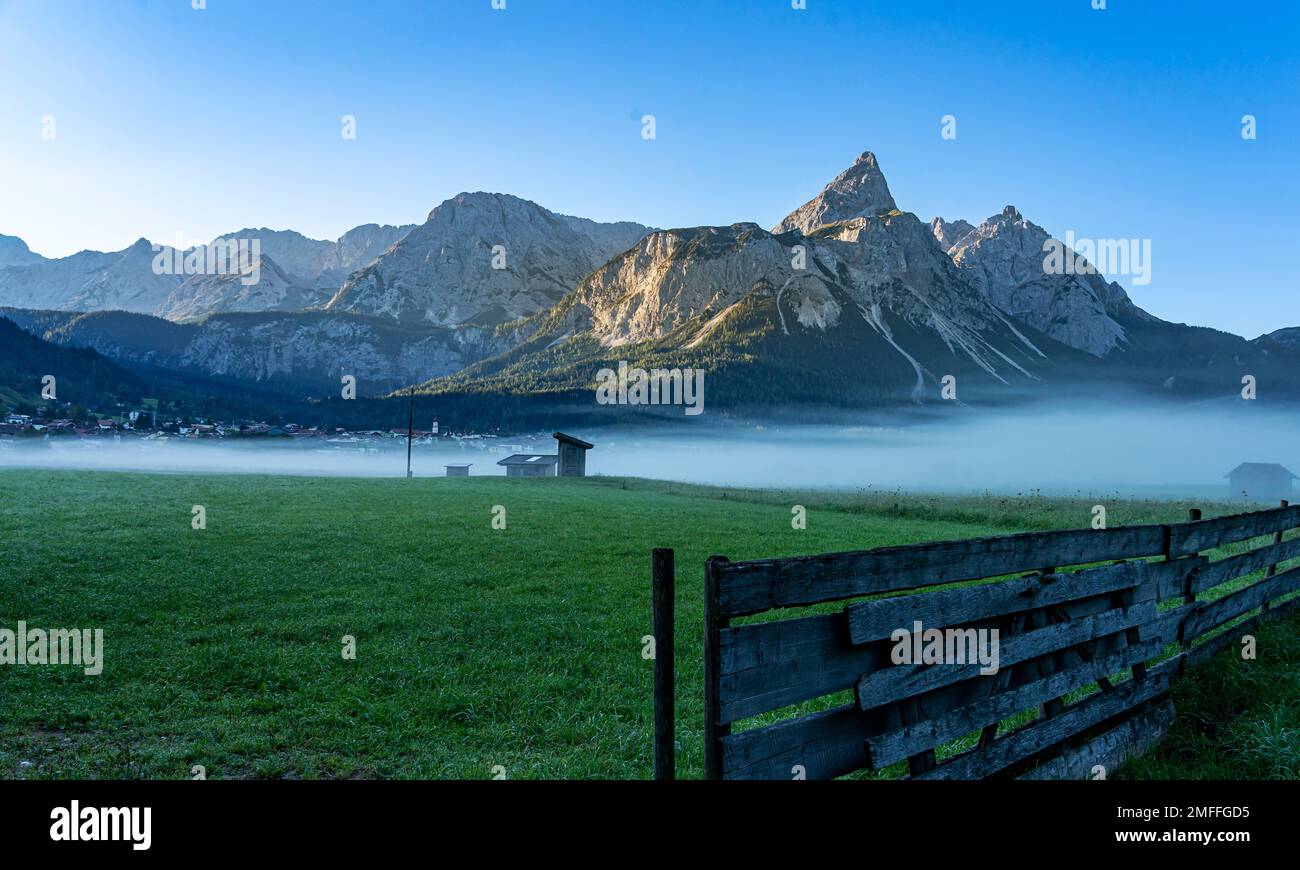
410, 433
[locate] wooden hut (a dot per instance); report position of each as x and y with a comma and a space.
573, 455
529, 465
1260, 481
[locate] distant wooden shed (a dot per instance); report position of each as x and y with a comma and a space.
573, 455
458, 469
529, 465
1260, 481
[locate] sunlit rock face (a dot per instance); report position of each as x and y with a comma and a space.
1006, 258
483, 259
859, 191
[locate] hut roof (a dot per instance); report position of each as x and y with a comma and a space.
1262, 468
529, 459
569, 439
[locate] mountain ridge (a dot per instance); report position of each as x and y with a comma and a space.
849, 298
918, 301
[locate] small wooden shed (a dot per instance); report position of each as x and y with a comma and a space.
458, 469
573, 455
1260, 481
529, 465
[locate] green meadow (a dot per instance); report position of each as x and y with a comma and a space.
478, 649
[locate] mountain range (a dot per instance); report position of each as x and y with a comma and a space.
847, 301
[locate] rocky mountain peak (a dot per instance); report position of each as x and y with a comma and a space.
462, 205
318, 264
859, 191
484, 259
1004, 258
950, 233
270, 288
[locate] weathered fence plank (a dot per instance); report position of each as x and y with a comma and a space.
1229, 607
890, 684
1169, 624
1223, 570
875, 620
1111, 750
892, 746
1186, 538
824, 745
753, 587
1038, 736
1171, 578
1170, 668
769, 665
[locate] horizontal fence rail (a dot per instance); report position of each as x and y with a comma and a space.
1084, 657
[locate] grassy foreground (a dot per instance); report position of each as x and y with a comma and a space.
476, 647
1237, 719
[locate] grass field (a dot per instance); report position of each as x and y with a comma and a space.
1237, 719
476, 647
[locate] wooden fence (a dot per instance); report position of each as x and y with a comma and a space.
1112, 626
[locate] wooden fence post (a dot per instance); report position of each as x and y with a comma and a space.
1193, 515
1047, 664
663, 600
714, 622
1272, 569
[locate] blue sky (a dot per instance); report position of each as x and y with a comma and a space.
174, 123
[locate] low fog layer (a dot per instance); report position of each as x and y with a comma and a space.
1138, 450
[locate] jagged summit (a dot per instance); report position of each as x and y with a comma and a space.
273, 290
950, 233
859, 191
1004, 259
323, 265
